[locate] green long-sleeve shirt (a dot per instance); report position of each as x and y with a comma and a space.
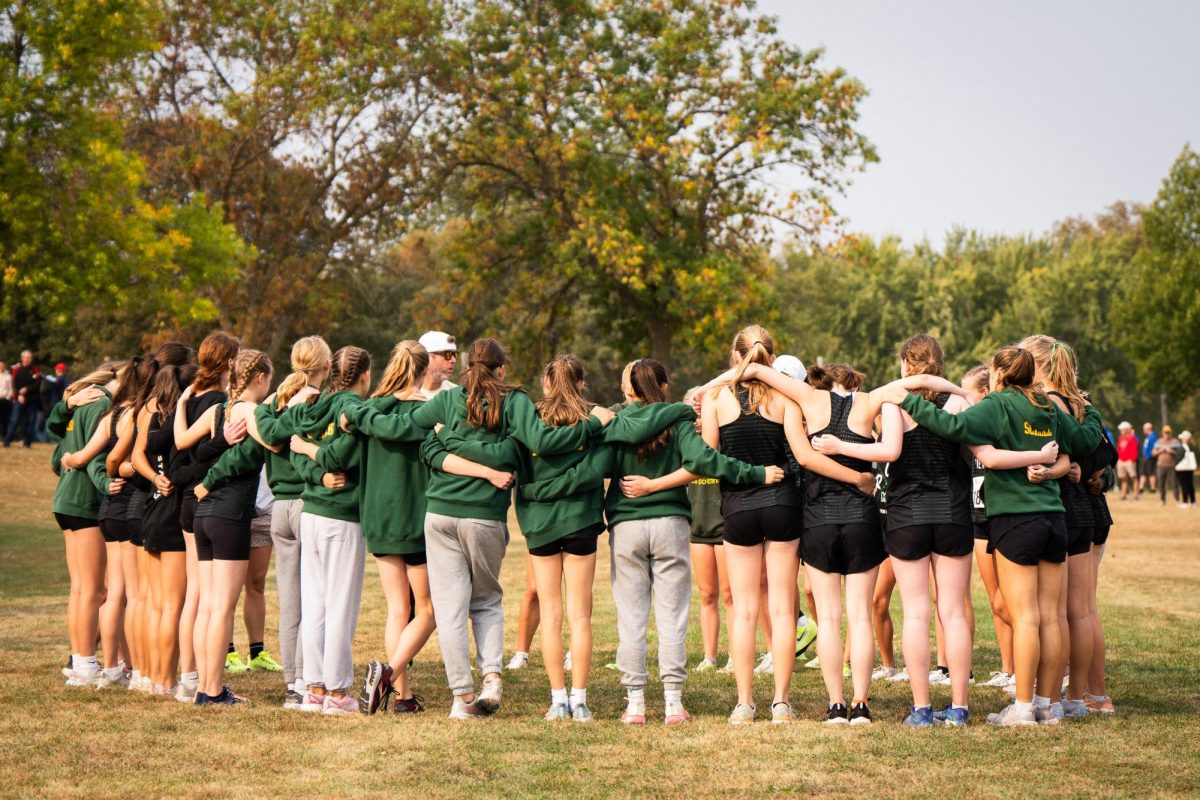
276, 427
339, 452
244, 458
395, 478
1007, 420
76, 495
618, 457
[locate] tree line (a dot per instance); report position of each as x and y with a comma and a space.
597, 176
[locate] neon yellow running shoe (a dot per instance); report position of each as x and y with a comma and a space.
234, 664
845, 670
264, 662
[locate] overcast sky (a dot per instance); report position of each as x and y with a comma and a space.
1007, 116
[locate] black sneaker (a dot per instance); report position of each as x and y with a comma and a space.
860, 714
377, 685
413, 705
836, 715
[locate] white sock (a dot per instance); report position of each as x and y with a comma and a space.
672, 697
135, 676
1019, 706
955, 705
636, 698
112, 672
522, 654
189, 677
924, 706
87, 664
1041, 702
558, 697
578, 697
802, 622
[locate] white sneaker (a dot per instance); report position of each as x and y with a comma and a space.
728, 668
998, 680
186, 691
489, 695
1010, 717
567, 661
883, 673
766, 666
107, 681
815, 663
1045, 715
471, 710
78, 679
899, 677
939, 678
518, 661
707, 665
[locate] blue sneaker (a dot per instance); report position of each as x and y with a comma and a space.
950, 716
919, 718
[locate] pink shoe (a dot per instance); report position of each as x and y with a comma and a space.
313, 703
632, 719
679, 716
340, 705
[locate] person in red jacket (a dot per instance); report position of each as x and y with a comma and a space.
1127, 460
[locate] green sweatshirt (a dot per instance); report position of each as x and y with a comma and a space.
75, 494
276, 428
619, 458
1007, 420
474, 498
244, 458
394, 480
339, 452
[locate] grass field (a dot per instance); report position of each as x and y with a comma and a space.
61, 742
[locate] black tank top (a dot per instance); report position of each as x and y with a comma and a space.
831, 502
756, 440
115, 506
233, 499
930, 483
1075, 499
978, 506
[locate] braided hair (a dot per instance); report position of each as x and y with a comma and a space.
248, 365
349, 364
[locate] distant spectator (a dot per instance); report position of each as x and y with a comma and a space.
1185, 471
53, 387
6, 396
1149, 439
1127, 460
26, 400
1166, 450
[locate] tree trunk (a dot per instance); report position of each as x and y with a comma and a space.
1162, 409
659, 328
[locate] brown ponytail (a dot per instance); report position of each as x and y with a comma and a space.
648, 377
248, 365
923, 355
404, 370
1014, 367
349, 364
173, 354
216, 352
484, 387
563, 404
310, 356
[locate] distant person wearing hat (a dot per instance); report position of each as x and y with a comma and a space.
443, 359
53, 387
1127, 460
1165, 452
1149, 440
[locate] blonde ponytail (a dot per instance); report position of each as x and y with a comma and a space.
404, 370
310, 356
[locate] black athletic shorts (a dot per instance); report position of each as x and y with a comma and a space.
1079, 540
222, 539
843, 549
1028, 539
411, 559
913, 542
135, 532
114, 530
187, 510
579, 543
982, 530
767, 524
1100, 534
67, 522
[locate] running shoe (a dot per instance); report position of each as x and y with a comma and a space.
227, 698
883, 673
951, 716
919, 717
336, 706
1057, 710
860, 715
805, 637
1044, 715
411, 705
707, 665
185, 692
633, 716
813, 663
743, 714
899, 677
676, 715
766, 665
292, 700
518, 661
202, 699
263, 661
846, 673
75, 678
613, 666
938, 677
1074, 709
106, 681
567, 661
998, 680
377, 685
234, 664
1011, 717
1099, 704
782, 713
836, 715
489, 695
559, 712
581, 713
313, 703
728, 668
463, 710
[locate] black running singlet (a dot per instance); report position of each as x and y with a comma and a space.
1075, 499
930, 483
756, 440
115, 506
233, 499
831, 502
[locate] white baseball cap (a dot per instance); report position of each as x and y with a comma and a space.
791, 366
1124, 426
438, 342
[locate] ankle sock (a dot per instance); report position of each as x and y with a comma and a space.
673, 697
558, 697
636, 700
802, 622
943, 670
255, 649
578, 697
918, 708
1041, 702
231, 649
87, 665
954, 705
1019, 706
190, 678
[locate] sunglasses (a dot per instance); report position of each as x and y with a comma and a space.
449, 355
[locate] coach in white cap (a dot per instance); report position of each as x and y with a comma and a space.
443, 357
791, 366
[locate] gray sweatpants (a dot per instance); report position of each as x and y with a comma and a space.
652, 556
285, 532
464, 582
331, 580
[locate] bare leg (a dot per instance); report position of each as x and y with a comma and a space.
254, 608
745, 566
394, 579
827, 592
225, 585
1019, 584
953, 575
859, 588
547, 575
1000, 618
783, 561
881, 608
416, 633
912, 577
580, 572
191, 604
704, 567
527, 623
112, 614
